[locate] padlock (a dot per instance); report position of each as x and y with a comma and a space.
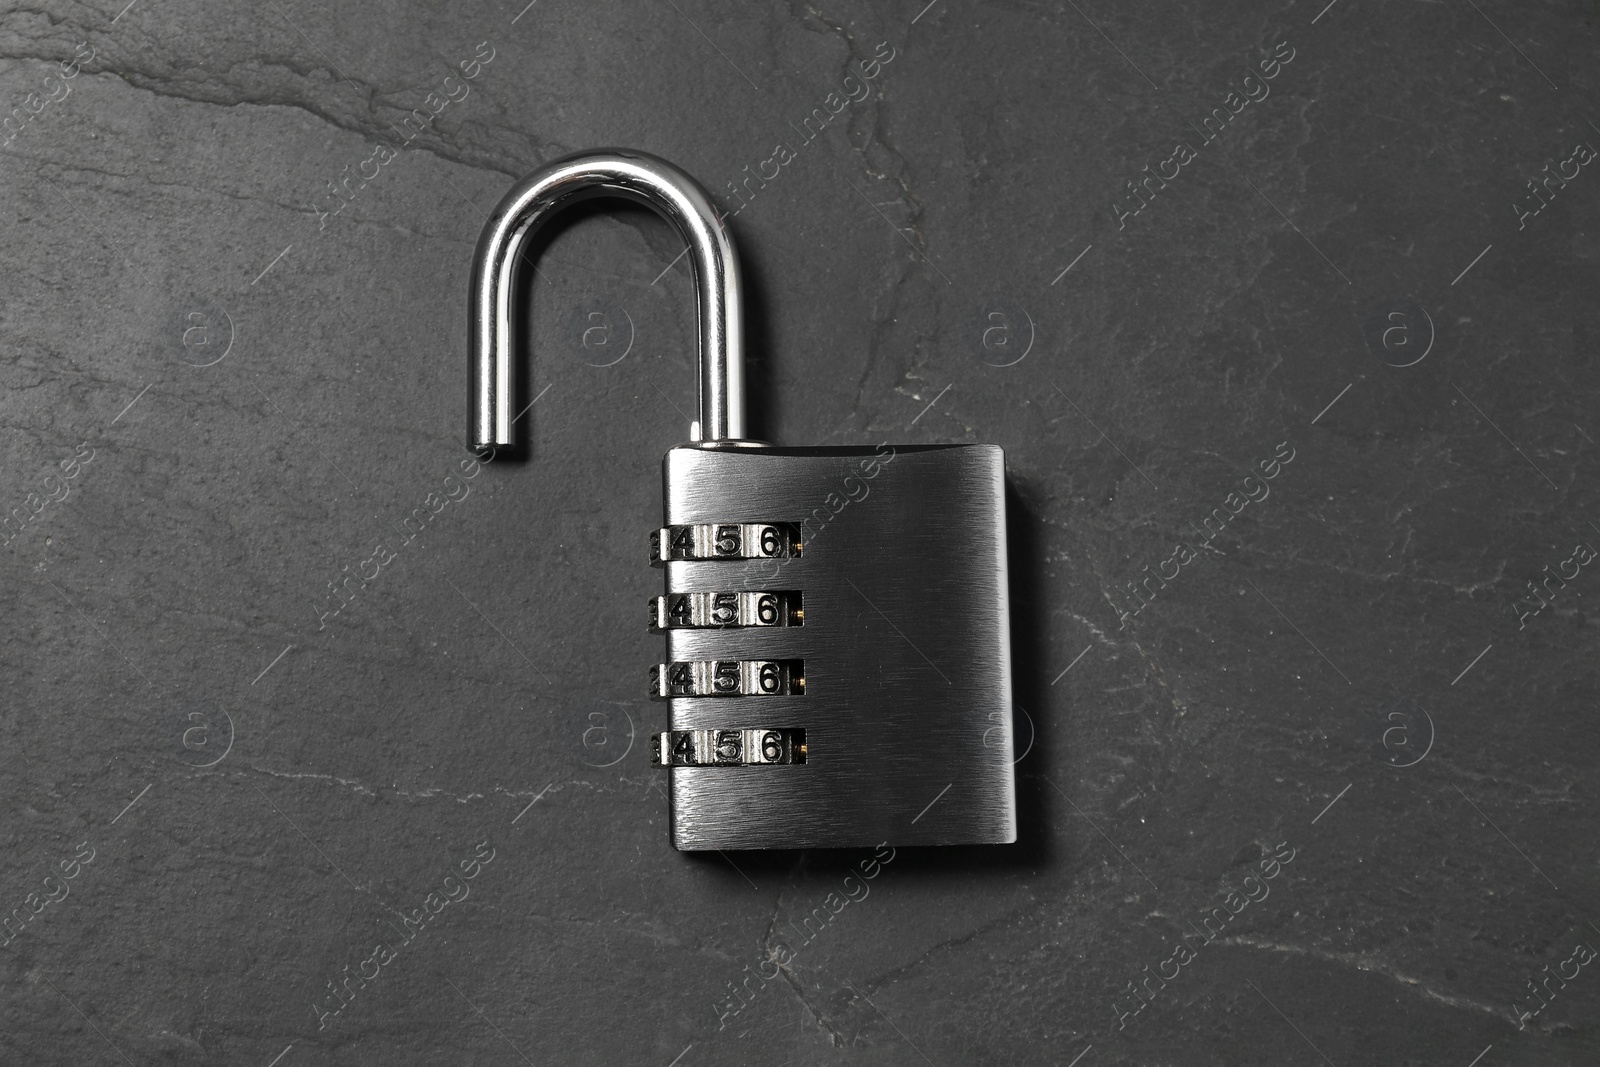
838, 664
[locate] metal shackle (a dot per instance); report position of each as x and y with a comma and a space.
497, 274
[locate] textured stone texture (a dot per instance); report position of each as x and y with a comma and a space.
296, 785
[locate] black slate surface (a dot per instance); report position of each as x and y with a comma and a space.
219, 393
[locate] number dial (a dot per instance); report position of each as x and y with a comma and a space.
724, 610
725, 540
728, 748
727, 678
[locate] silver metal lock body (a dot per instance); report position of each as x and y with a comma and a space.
904, 645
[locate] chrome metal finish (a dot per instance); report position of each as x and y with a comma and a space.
499, 259
727, 748
751, 540
906, 701
724, 678
718, 610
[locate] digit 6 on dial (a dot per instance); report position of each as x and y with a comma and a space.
771, 541
771, 677
767, 609
771, 746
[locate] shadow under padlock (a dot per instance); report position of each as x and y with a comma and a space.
837, 619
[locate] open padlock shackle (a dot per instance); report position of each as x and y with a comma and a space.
497, 274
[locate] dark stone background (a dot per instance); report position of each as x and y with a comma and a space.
295, 786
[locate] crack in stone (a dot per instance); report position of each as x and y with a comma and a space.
876, 133
347, 782
870, 120
1364, 962
790, 975
881, 333
1387, 576
836, 1037
367, 131
176, 84
1088, 624
354, 220
362, 789
1159, 675
889, 977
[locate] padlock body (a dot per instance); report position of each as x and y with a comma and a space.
892, 687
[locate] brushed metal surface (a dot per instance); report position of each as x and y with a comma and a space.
906, 646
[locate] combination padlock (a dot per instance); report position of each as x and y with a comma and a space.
838, 663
